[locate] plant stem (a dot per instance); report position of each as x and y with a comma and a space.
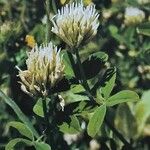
82, 71
72, 62
48, 23
84, 81
54, 6
118, 134
86, 86
48, 133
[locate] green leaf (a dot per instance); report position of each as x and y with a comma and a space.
94, 64
11, 145
108, 85
122, 97
68, 68
96, 121
78, 107
103, 80
41, 146
99, 99
125, 121
142, 110
71, 126
77, 88
22, 128
144, 29
38, 108
71, 97
113, 29
19, 113
102, 56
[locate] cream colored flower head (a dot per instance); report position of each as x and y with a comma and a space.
76, 24
133, 16
44, 70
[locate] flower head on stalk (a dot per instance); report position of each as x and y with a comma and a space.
44, 70
133, 16
76, 24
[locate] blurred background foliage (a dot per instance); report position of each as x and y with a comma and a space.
128, 47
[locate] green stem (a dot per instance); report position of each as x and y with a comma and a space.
84, 81
48, 23
48, 133
54, 6
86, 86
72, 62
118, 134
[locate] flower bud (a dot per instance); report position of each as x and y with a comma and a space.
44, 70
76, 24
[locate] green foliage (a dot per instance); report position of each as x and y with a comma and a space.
142, 111
95, 59
11, 145
125, 121
72, 126
116, 59
22, 128
38, 108
144, 29
96, 120
19, 113
108, 86
121, 97
68, 68
38, 145
41, 146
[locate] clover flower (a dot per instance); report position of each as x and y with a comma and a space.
44, 70
133, 16
76, 24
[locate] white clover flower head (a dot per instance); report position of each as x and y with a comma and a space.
44, 70
133, 16
76, 24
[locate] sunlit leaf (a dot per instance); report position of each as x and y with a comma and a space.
11, 145
71, 126
122, 97
108, 86
41, 146
68, 68
22, 128
19, 113
94, 64
38, 108
96, 120
142, 110
144, 29
125, 121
